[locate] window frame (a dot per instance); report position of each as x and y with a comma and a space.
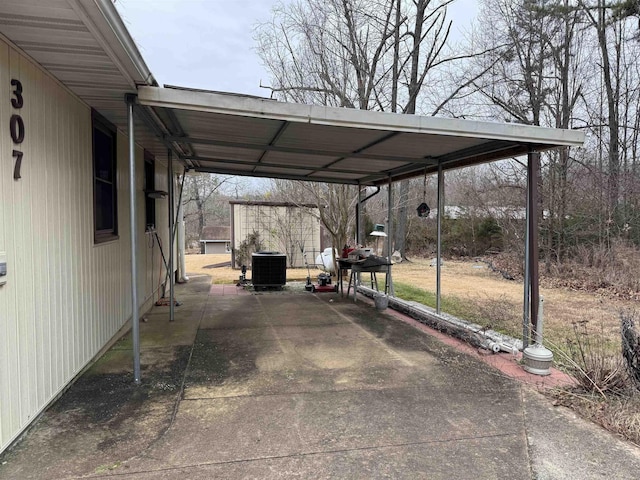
98, 122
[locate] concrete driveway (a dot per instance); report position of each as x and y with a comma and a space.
298, 385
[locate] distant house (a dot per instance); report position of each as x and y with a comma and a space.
216, 240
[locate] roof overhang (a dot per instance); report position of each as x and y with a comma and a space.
85, 45
241, 135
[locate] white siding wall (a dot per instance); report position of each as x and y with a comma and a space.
65, 297
279, 227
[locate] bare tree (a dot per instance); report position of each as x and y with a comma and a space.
198, 199
374, 54
535, 78
336, 206
600, 22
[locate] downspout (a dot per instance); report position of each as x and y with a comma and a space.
359, 207
135, 320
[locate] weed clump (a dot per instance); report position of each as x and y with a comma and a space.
631, 346
589, 360
608, 382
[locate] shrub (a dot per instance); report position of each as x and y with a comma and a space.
589, 360
248, 246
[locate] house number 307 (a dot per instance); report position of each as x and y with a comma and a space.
16, 125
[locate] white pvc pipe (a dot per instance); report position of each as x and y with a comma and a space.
540, 321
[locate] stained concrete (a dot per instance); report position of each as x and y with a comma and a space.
297, 385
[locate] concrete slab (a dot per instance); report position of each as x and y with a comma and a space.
299, 424
565, 447
474, 459
287, 385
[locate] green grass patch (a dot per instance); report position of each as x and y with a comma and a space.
496, 314
450, 304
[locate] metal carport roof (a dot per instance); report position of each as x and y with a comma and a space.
242, 135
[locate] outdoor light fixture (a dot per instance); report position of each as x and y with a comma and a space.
378, 231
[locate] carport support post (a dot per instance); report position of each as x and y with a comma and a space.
389, 288
135, 320
527, 282
533, 172
358, 215
439, 246
171, 236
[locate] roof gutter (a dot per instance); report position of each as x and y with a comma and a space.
119, 29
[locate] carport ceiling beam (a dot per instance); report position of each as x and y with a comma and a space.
490, 151
284, 176
158, 127
249, 163
275, 138
301, 151
362, 149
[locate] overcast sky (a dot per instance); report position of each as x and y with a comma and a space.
209, 44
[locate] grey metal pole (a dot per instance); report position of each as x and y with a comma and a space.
439, 246
358, 216
389, 287
171, 237
527, 283
534, 173
389, 221
135, 320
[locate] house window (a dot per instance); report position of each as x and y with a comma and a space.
105, 212
149, 186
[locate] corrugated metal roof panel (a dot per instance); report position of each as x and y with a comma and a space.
345, 145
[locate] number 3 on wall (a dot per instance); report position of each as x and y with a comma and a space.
17, 102
16, 125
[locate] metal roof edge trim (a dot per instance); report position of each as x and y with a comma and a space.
266, 203
344, 117
125, 51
